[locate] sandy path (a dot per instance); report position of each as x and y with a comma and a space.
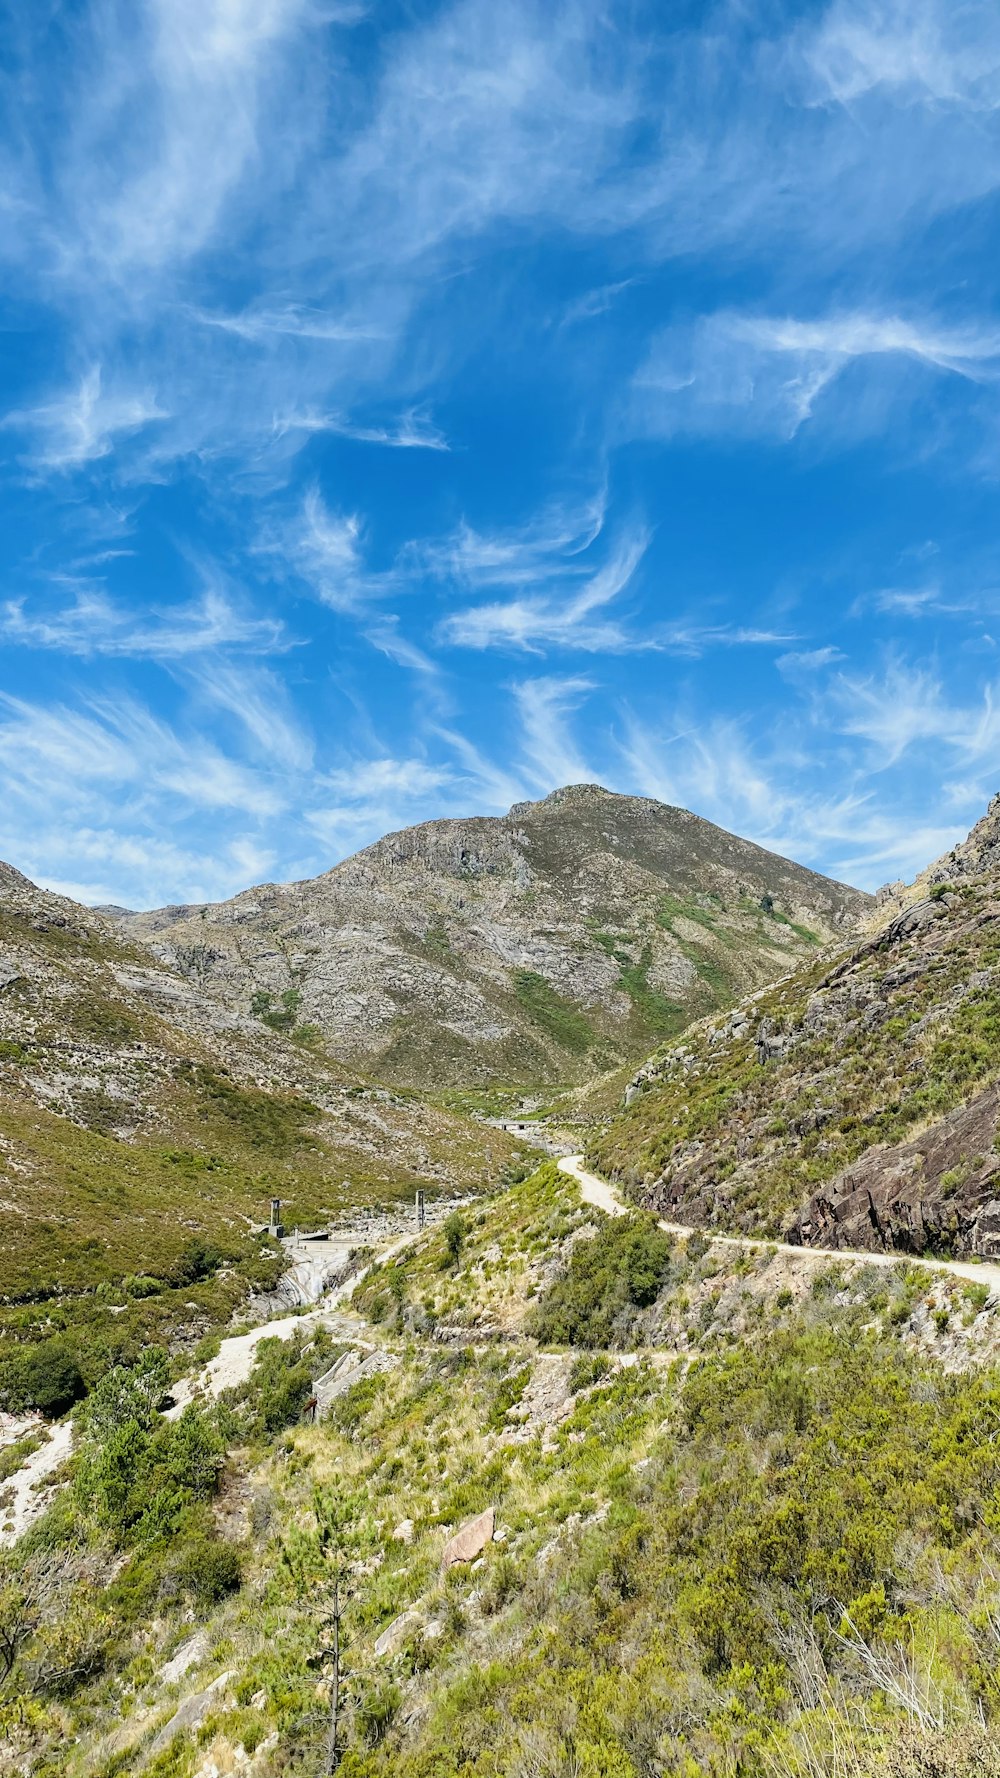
25, 1484
604, 1197
235, 1358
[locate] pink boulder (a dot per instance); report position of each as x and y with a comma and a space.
469, 1540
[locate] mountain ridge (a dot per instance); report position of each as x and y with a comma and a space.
532, 947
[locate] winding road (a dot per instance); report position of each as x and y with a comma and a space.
27, 1494
605, 1197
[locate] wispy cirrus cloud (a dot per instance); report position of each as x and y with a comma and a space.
548, 749
412, 431
919, 51
568, 616
83, 425
291, 320
259, 702
69, 755
906, 706
324, 548
93, 624
745, 374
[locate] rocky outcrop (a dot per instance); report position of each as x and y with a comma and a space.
936, 1193
851, 1104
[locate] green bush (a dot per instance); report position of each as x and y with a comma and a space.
48, 1378
609, 1278
454, 1231
275, 1393
377, 1710
210, 1570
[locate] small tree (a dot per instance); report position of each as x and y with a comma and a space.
50, 1378
454, 1232
314, 1559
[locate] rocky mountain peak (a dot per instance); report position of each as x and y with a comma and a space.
566, 936
570, 794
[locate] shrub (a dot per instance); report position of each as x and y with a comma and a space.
50, 1378
585, 1372
210, 1570
277, 1390
454, 1231
594, 1303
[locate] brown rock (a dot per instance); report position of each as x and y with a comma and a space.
469, 1540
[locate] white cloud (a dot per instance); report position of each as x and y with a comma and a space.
906, 706
413, 431
293, 320
69, 756
387, 639
95, 625
98, 865
259, 702
808, 661
174, 97
548, 749
365, 778
916, 50
741, 373
532, 622
491, 782
83, 425
325, 548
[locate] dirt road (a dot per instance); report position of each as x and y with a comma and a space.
605, 1197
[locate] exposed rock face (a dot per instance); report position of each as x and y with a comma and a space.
938, 1191
543, 945
395, 1634
470, 1540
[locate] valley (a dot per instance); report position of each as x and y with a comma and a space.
666, 1446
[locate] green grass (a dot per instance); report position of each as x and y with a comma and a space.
556, 1016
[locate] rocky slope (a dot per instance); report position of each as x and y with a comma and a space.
854, 1105
140, 1118
541, 946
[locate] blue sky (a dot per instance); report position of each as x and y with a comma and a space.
407, 409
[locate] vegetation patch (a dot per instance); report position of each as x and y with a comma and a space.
560, 1020
619, 1271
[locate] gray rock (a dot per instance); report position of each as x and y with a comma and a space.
393, 1637
192, 1712
190, 1654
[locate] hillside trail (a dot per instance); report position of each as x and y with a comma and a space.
605, 1197
25, 1494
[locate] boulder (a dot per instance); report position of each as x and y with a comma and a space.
395, 1634
469, 1540
190, 1654
191, 1713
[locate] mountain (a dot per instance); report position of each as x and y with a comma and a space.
144, 1127
540, 946
569, 1492
855, 1104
